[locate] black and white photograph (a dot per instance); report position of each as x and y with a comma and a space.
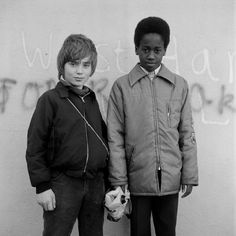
117, 118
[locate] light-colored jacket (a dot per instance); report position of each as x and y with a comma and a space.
150, 128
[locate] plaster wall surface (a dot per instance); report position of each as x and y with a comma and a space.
202, 50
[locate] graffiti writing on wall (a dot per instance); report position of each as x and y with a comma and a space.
221, 103
32, 90
203, 56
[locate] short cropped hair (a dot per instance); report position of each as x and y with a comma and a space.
76, 47
152, 25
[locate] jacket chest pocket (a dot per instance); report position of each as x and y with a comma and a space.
173, 110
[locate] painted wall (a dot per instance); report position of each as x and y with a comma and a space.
202, 50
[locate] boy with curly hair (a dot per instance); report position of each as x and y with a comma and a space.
150, 134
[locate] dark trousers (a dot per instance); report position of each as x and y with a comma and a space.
164, 212
80, 199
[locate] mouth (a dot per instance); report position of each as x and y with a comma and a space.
78, 79
150, 63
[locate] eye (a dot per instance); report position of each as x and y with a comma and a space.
157, 50
87, 65
72, 63
146, 50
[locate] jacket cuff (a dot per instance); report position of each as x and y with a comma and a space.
43, 187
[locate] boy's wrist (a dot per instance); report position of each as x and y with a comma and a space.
114, 187
43, 187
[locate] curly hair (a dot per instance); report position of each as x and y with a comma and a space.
152, 25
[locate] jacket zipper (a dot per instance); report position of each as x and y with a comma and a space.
82, 98
104, 145
156, 135
86, 136
88, 125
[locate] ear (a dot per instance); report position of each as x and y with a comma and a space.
165, 51
136, 50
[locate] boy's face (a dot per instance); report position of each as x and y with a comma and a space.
78, 72
150, 51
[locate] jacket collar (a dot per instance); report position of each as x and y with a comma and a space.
64, 90
137, 73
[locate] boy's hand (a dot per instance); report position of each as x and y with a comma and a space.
186, 189
47, 200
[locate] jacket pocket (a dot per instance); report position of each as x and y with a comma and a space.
173, 109
168, 114
56, 175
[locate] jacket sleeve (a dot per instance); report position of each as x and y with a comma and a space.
37, 145
115, 125
187, 142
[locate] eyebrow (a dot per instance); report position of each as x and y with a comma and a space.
80, 60
86, 62
147, 46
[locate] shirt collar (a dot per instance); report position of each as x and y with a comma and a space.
155, 71
138, 73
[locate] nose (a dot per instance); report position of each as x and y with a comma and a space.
79, 69
151, 55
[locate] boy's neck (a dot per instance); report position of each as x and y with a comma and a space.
155, 71
77, 90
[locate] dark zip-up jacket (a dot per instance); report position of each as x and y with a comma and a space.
59, 139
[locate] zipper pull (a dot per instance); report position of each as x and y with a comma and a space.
82, 98
159, 176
